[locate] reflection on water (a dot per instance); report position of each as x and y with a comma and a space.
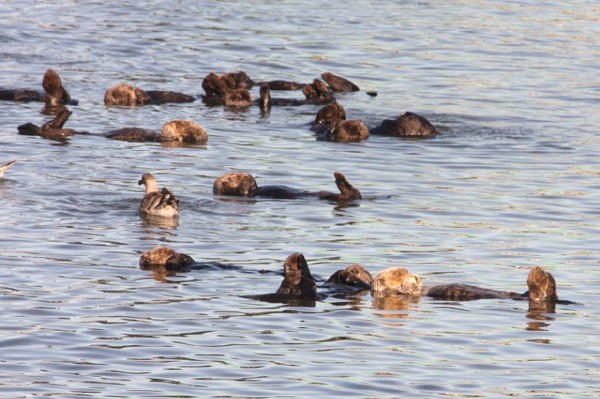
505, 186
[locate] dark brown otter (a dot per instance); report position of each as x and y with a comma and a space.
298, 283
330, 112
337, 83
165, 257
317, 92
52, 130
343, 131
244, 185
54, 93
406, 125
354, 276
218, 91
128, 95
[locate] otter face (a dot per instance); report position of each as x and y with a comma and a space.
396, 280
124, 94
236, 184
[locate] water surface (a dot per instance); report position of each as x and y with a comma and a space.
512, 182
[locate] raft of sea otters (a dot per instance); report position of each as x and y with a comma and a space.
330, 123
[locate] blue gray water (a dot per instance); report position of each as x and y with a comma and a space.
513, 181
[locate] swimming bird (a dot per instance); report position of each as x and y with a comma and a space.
6, 166
157, 203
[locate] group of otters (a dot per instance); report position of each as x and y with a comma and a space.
232, 89
298, 283
229, 89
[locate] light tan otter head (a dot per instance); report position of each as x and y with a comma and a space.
183, 131
542, 287
396, 280
124, 94
237, 184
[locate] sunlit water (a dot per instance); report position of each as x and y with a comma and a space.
512, 182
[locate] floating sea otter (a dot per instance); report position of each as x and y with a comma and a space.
161, 203
54, 93
298, 285
176, 131
52, 130
128, 95
330, 124
229, 89
407, 124
244, 185
166, 257
396, 280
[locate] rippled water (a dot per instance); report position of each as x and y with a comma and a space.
512, 182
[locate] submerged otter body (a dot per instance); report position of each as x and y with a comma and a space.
54, 92
128, 95
244, 185
52, 130
407, 124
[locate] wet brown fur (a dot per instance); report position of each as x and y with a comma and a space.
166, 257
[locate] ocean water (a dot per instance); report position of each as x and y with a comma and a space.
512, 181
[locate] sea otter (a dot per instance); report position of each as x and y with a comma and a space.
298, 283
244, 185
165, 257
327, 114
343, 131
225, 90
317, 92
407, 124
128, 95
6, 167
161, 203
52, 130
354, 276
396, 280
54, 93
176, 131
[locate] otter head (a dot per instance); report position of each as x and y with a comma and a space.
124, 94
330, 112
354, 275
237, 184
542, 287
183, 131
396, 280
